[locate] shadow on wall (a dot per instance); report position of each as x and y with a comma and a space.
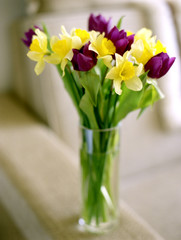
10, 10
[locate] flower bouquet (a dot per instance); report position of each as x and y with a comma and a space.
108, 73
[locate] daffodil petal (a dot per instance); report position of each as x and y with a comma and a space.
139, 69
53, 40
138, 48
94, 35
39, 67
143, 33
63, 64
69, 55
82, 34
119, 59
134, 84
76, 42
35, 56
107, 60
64, 32
117, 86
42, 37
160, 48
53, 58
113, 73
93, 48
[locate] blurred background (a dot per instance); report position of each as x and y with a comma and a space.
151, 146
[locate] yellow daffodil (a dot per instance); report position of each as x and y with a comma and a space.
82, 34
62, 51
62, 47
103, 47
125, 71
38, 49
78, 37
145, 46
159, 47
129, 33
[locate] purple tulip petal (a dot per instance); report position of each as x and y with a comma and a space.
121, 46
130, 40
122, 34
154, 66
84, 59
85, 63
120, 40
74, 59
99, 23
29, 35
166, 66
114, 34
159, 65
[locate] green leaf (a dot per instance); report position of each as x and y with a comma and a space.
128, 101
101, 69
120, 22
143, 78
146, 98
76, 77
45, 30
87, 107
151, 94
91, 82
141, 112
158, 93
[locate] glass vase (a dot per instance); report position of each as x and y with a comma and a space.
99, 162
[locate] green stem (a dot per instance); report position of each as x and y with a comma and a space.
114, 111
74, 91
97, 174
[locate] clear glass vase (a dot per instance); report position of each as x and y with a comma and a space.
99, 161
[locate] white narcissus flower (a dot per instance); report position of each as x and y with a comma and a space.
125, 71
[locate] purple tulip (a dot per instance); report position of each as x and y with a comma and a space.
159, 65
99, 23
29, 35
84, 59
120, 40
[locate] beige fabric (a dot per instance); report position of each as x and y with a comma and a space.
8, 228
155, 194
46, 173
19, 212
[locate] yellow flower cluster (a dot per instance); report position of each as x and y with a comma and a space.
131, 65
60, 48
125, 68
145, 46
103, 47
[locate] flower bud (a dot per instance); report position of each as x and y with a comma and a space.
84, 59
159, 65
121, 41
99, 23
28, 36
